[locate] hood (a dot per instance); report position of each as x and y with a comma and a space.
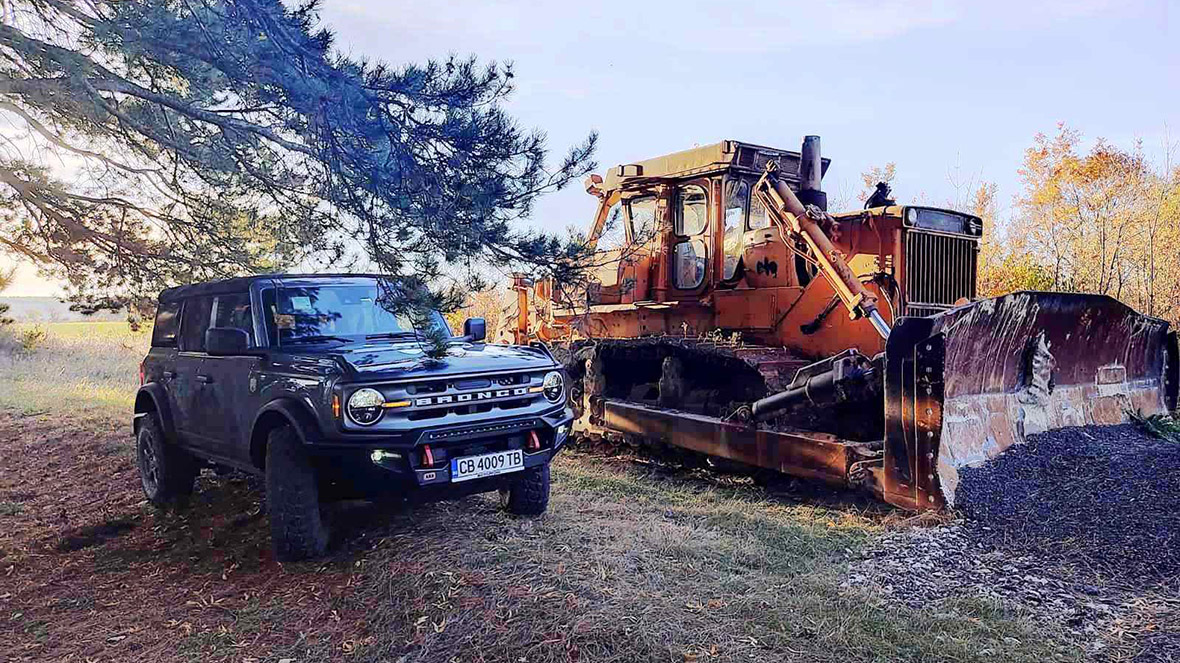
406, 360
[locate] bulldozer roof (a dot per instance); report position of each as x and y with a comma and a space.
705, 160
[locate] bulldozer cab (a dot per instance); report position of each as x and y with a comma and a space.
681, 225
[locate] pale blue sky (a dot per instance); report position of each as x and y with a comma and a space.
932, 86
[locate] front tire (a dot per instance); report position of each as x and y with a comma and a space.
297, 529
528, 492
166, 472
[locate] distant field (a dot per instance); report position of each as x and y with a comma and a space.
86, 369
51, 309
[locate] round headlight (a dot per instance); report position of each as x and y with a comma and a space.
364, 406
911, 215
553, 386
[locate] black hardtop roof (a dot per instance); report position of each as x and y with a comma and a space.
243, 283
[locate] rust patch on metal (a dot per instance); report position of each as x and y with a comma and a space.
799, 453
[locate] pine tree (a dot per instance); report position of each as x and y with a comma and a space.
172, 141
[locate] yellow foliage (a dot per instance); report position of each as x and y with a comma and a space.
1105, 221
486, 304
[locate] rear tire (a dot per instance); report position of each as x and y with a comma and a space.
528, 492
297, 529
166, 472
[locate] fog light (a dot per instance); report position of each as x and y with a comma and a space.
563, 432
381, 455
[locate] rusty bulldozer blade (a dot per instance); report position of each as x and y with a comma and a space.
963, 386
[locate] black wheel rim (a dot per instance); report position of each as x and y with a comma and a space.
149, 464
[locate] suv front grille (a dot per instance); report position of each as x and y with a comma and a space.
939, 270
441, 398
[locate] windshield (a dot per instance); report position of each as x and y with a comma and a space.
340, 313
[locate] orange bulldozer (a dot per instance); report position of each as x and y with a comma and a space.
726, 314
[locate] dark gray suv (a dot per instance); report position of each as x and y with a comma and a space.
311, 382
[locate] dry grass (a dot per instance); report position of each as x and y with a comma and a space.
633, 562
89, 369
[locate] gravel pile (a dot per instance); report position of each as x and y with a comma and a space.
1078, 529
1104, 502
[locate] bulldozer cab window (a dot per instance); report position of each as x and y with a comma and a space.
692, 211
759, 219
613, 233
643, 219
737, 194
690, 264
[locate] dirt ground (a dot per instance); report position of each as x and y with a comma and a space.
633, 562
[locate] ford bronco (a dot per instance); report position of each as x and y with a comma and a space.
313, 383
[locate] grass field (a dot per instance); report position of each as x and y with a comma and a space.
633, 561
88, 369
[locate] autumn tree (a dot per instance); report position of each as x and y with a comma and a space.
1004, 262
1103, 221
487, 304
169, 141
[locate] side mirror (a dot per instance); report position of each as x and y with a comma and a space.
475, 329
226, 341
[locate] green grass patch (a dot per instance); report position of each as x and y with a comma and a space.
1162, 426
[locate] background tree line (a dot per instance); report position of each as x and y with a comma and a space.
1104, 220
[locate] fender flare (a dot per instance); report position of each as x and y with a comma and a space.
297, 414
155, 393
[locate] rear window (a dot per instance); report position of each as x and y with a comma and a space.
167, 325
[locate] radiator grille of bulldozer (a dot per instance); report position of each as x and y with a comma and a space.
939, 270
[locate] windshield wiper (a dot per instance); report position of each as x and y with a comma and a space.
317, 338
400, 334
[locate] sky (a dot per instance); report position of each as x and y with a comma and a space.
949, 91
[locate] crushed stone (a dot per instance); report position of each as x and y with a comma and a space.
1077, 530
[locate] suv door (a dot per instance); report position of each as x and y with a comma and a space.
187, 384
226, 401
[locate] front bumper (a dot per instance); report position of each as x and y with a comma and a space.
404, 468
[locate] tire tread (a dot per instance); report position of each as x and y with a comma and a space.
292, 495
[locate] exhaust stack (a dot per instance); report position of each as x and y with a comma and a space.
811, 171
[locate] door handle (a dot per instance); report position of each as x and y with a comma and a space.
168, 375
204, 379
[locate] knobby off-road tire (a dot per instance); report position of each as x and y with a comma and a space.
297, 529
166, 472
528, 492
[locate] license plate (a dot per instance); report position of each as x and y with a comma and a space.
477, 467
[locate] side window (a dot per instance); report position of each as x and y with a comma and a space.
613, 233
167, 325
759, 219
234, 311
193, 324
737, 192
643, 218
692, 210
